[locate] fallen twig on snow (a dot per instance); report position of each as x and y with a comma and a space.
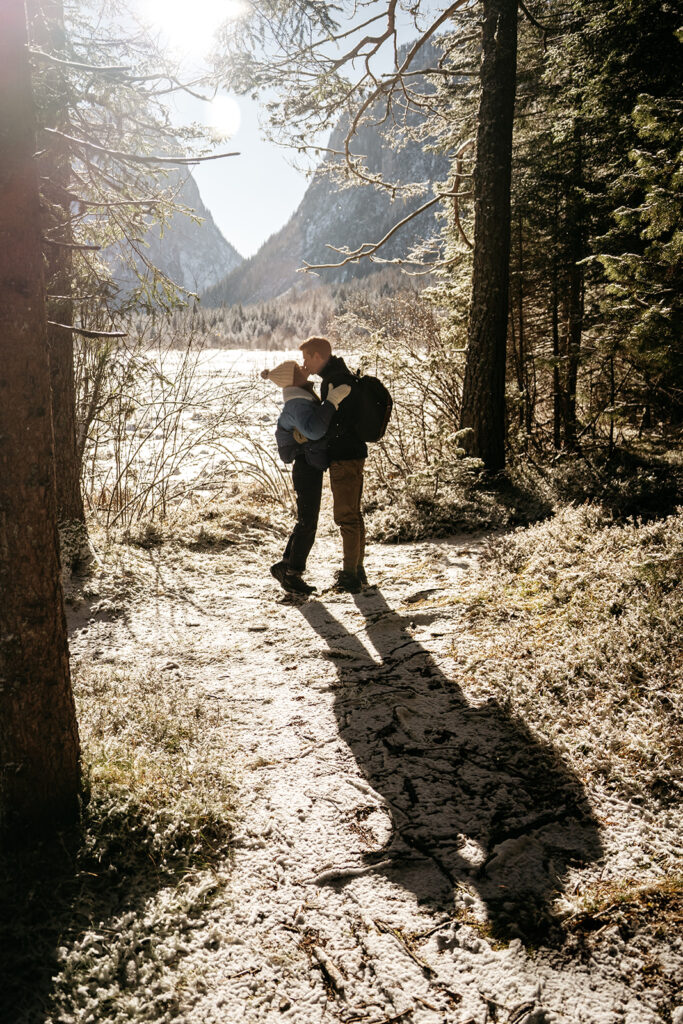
336, 874
387, 929
331, 973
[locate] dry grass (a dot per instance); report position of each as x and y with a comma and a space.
630, 902
95, 922
579, 622
154, 761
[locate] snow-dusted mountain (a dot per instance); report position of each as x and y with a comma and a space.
341, 216
193, 255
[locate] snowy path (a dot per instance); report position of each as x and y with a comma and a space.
398, 832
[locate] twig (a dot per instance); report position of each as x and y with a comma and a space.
390, 1020
241, 974
329, 970
436, 928
402, 941
336, 874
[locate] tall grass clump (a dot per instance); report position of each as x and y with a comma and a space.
152, 759
95, 923
158, 422
420, 481
579, 626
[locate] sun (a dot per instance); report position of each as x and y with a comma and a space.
189, 29
224, 117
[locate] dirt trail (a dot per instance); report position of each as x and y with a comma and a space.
399, 834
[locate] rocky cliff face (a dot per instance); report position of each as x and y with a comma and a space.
340, 216
193, 255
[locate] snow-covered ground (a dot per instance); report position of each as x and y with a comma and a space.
400, 837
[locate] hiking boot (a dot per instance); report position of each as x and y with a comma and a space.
293, 584
362, 578
346, 580
279, 570
290, 580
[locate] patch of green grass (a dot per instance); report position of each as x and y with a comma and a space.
152, 752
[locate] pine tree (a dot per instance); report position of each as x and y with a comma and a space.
39, 748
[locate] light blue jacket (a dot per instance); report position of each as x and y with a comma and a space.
303, 412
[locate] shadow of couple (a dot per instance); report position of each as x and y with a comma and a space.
485, 817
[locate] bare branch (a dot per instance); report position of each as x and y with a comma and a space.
386, 88
114, 69
136, 157
534, 21
72, 245
378, 41
369, 248
87, 333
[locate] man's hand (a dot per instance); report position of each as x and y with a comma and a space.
338, 394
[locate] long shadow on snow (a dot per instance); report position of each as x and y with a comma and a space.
476, 801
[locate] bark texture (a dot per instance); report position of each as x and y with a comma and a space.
46, 31
483, 403
39, 748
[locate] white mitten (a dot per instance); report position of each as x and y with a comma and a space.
338, 394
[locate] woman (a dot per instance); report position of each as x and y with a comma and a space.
300, 435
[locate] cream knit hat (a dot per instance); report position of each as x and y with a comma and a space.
283, 374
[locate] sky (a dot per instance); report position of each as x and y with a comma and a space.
252, 195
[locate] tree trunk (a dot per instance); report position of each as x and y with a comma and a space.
575, 299
46, 30
573, 348
39, 749
483, 401
557, 383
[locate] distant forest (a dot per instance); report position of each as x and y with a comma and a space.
285, 321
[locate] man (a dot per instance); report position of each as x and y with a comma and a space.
347, 461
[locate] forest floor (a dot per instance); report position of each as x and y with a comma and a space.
404, 846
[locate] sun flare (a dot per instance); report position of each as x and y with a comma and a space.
190, 29
224, 117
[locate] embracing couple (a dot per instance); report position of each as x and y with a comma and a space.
316, 434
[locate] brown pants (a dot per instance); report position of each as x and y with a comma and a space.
346, 481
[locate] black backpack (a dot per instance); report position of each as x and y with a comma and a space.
371, 406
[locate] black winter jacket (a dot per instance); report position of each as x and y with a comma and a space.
342, 441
